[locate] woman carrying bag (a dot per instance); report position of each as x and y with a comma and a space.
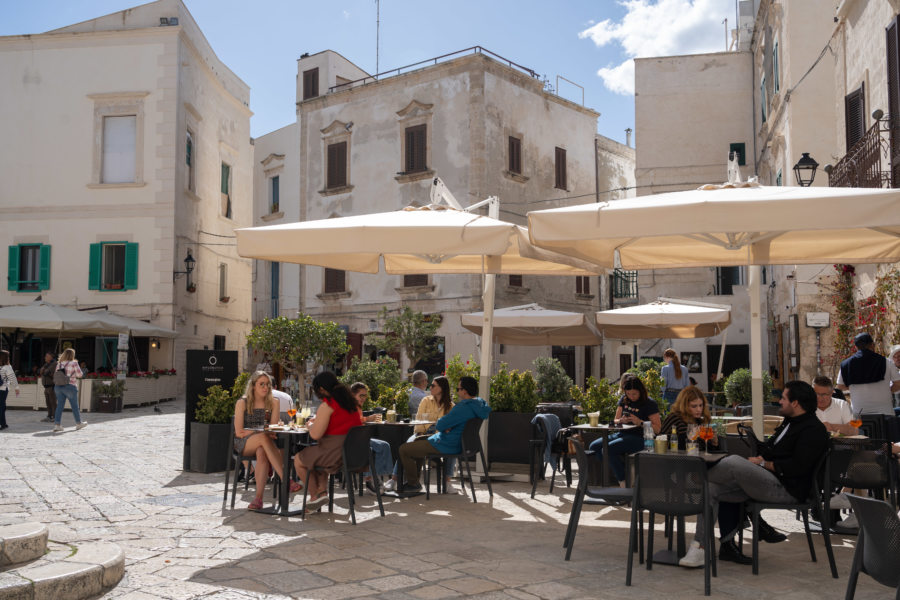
65, 378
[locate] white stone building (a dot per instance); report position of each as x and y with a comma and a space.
365, 145
126, 145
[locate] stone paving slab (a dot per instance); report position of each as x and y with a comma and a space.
120, 481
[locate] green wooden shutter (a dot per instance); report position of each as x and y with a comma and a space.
95, 269
12, 276
45, 268
131, 266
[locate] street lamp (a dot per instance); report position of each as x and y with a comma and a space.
189, 263
805, 170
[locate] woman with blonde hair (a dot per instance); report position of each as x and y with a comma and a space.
690, 408
675, 376
255, 409
69, 366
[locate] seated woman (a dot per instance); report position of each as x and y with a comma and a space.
690, 408
254, 410
635, 407
337, 415
380, 448
432, 408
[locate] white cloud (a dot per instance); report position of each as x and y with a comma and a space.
346, 14
661, 28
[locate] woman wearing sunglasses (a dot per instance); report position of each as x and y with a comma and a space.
635, 407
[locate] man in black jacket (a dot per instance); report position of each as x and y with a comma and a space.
46, 372
782, 473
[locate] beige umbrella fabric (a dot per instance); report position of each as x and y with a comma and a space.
726, 226
664, 318
534, 325
44, 316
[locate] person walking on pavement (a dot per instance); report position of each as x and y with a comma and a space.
46, 373
67, 391
870, 377
7, 379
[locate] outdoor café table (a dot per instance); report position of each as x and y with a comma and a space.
395, 433
288, 437
605, 430
669, 556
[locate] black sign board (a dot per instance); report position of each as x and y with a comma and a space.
205, 368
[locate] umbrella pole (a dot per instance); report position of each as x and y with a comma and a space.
756, 350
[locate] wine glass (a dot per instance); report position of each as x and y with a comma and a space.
856, 420
693, 431
706, 434
291, 412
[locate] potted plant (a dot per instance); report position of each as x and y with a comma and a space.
210, 430
514, 399
738, 387
106, 396
191, 288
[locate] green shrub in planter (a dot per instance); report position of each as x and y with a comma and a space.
217, 406
396, 397
597, 396
552, 381
513, 391
738, 387
457, 369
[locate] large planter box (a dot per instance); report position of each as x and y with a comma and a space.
209, 446
106, 404
509, 434
31, 395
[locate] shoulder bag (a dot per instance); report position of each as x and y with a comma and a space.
59, 375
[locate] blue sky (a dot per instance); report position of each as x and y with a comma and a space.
588, 42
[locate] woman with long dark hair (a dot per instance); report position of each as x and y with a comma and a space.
635, 407
675, 376
338, 414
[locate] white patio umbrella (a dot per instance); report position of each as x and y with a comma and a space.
135, 327
44, 316
730, 225
665, 318
534, 325
431, 239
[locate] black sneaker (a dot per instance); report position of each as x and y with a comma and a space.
370, 485
412, 488
731, 552
769, 534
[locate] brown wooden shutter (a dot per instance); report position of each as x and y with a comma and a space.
415, 149
310, 83
415, 280
515, 155
337, 165
560, 169
855, 116
335, 281
582, 285
515, 281
893, 77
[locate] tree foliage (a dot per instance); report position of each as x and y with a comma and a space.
552, 381
376, 374
409, 330
739, 387
457, 369
295, 343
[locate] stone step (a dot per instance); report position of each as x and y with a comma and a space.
65, 571
21, 543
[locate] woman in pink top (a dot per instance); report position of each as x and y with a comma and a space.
68, 365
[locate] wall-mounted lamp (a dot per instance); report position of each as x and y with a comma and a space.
805, 170
349, 126
154, 343
189, 263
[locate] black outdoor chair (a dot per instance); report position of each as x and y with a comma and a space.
471, 445
813, 503
673, 485
356, 458
593, 495
877, 546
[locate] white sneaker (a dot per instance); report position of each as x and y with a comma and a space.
695, 556
81, 425
848, 525
840, 502
57, 428
390, 485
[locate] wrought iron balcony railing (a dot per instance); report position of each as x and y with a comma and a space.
862, 165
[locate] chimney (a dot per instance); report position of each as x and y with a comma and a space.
628, 137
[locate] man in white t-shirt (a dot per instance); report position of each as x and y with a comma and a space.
870, 377
284, 400
834, 413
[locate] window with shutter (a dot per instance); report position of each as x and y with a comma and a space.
582, 285
515, 281
29, 268
337, 166
855, 116
274, 193
113, 266
415, 280
560, 178
226, 190
416, 150
335, 281
223, 282
189, 159
515, 155
310, 83
893, 85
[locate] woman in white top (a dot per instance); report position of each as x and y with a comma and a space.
7, 378
68, 365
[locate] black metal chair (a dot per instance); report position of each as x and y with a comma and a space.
877, 546
471, 445
356, 458
813, 503
673, 485
559, 454
233, 464
593, 495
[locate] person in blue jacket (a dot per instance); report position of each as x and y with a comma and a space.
448, 438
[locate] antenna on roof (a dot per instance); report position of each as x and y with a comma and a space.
377, 32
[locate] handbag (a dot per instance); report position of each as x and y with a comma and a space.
59, 376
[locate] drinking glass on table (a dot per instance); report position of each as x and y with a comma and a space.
856, 420
706, 434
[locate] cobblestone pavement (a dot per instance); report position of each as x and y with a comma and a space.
120, 480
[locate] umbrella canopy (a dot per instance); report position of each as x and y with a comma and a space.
534, 325
43, 316
430, 239
135, 326
728, 225
665, 318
